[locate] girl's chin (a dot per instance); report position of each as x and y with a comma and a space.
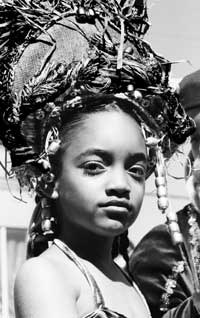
115, 227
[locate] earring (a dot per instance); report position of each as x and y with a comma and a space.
48, 223
46, 186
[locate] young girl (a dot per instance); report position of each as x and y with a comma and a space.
99, 187
84, 134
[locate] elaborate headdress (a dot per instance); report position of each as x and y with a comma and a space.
54, 54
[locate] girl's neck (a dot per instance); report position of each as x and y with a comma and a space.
89, 246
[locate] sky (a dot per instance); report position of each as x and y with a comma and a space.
175, 33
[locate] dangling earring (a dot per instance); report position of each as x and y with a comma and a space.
48, 224
42, 228
46, 186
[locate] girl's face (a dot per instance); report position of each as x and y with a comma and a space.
102, 180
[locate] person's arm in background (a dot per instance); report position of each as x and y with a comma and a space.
151, 265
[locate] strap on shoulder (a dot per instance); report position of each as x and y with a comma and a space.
90, 279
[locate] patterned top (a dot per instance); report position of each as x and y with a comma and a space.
101, 311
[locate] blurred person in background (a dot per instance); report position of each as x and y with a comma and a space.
169, 277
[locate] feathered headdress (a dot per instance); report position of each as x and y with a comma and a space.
56, 53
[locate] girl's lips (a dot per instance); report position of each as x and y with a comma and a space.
117, 204
116, 213
117, 210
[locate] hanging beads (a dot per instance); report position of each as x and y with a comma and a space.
160, 180
160, 173
174, 229
48, 221
163, 202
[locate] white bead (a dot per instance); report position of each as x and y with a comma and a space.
163, 203
46, 225
54, 194
173, 226
160, 171
161, 191
91, 12
172, 216
160, 181
129, 50
137, 94
81, 11
152, 141
53, 147
130, 88
44, 163
177, 238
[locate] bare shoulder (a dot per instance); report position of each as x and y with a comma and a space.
42, 289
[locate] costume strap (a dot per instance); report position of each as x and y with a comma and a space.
90, 279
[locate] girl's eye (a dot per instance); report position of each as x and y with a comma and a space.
93, 168
138, 172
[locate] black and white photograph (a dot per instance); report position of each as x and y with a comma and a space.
99, 159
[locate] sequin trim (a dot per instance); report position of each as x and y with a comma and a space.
170, 285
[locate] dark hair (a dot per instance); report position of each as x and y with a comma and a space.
121, 246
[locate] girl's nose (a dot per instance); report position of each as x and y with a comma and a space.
118, 184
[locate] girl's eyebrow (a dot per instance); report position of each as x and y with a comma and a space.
139, 156
106, 154
95, 151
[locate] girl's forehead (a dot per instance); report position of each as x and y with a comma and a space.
108, 129
107, 122
110, 116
